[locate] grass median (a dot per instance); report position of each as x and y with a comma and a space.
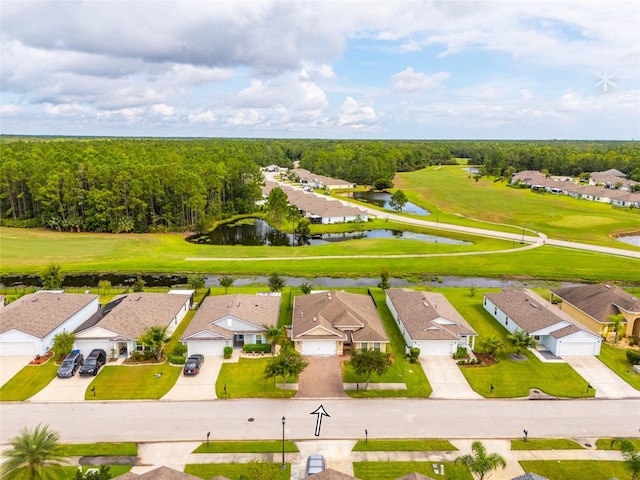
577, 469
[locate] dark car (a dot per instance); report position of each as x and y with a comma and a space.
93, 362
192, 367
315, 464
70, 364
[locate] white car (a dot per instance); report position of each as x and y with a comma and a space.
315, 464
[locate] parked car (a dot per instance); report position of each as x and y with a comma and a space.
93, 362
192, 366
315, 464
70, 364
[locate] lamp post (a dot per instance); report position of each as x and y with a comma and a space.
283, 466
208, 433
366, 436
526, 434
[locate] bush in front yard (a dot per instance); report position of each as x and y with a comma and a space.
179, 350
228, 352
633, 357
461, 352
256, 348
177, 359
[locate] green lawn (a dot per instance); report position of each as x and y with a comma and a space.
511, 378
577, 469
135, 382
257, 446
28, 381
234, 471
605, 443
405, 445
101, 449
245, 379
400, 372
545, 444
616, 359
393, 470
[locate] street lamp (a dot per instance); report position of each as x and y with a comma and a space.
366, 436
283, 466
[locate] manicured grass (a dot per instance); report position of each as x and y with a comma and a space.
616, 359
101, 449
400, 372
577, 469
449, 190
245, 379
415, 445
135, 382
69, 473
28, 250
545, 444
393, 470
177, 333
511, 378
605, 443
28, 381
266, 446
234, 471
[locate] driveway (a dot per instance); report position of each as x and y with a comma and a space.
9, 366
337, 454
603, 379
197, 387
322, 378
446, 379
64, 389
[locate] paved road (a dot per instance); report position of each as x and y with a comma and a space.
144, 421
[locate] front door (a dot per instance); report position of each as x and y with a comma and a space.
238, 340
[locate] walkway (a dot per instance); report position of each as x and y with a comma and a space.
446, 379
606, 383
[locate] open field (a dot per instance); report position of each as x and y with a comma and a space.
27, 251
449, 191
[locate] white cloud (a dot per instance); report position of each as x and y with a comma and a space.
409, 81
357, 115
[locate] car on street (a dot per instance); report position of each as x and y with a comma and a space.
315, 464
70, 364
93, 362
192, 366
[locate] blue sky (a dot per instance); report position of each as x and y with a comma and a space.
322, 69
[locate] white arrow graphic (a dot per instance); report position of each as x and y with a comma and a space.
320, 411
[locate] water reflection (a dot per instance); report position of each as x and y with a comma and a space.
382, 199
259, 233
630, 240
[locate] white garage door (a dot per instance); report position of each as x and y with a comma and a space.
86, 346
319, 347
435, 348
578, 348
17, 349
208, 348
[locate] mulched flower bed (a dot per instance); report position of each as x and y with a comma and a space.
40, 359
487, 359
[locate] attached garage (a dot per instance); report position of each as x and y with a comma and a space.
579, 348
17, 349
319, 347
437, 348
208, 348
85, 346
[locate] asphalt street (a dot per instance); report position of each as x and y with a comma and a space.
150, 421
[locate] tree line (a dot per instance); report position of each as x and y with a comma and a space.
154, 185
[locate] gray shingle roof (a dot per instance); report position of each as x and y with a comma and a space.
132, 314
333, 311
428, 315
599, 301
160, 473
256, 309
529, 311
40, 313
530, 476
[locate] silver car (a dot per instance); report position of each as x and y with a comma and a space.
315, 464
70, 364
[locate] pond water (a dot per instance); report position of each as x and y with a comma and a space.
631, 240
260, 233
382, 199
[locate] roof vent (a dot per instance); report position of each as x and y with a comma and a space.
315, 319
606, 285
425, 303
634, 299
534, 305
238, 304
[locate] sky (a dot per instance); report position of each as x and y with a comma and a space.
391, 69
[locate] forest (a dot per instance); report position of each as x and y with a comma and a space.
154, 185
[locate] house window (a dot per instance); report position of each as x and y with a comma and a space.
229, 322
376, 346
259, 339
363, 346
485, 302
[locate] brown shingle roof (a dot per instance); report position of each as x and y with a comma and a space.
160, 473
256, 309
528, 310
599, 301
38, 314
415, 476
134, 313
428, 315
334, 310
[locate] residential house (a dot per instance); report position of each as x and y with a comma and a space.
231, 321
429, 322
593, 305
117, 326
549, 326
320, 181
327, 323
161, 473
28, 325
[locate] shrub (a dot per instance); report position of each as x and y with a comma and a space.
633, 341
179, 350
256, 348
228, 352
177, 359
461, 352
462, 362
413, 355
633, 357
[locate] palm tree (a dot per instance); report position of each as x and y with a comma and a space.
275, 336
34, 455
479, 462
617, 322
156, 338
521, 339
493, 345
630, 454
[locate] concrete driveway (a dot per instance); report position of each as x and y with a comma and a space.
446, 379
9, 366
64, 389
197, 387
322, 378
337, 454
603, 379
